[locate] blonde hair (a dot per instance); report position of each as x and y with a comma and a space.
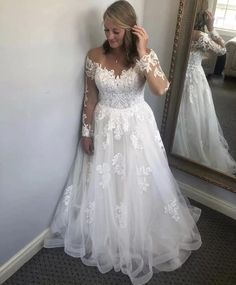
123, 14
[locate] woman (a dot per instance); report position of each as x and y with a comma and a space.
198, 133
123, 209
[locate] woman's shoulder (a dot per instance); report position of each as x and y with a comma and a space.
196, 35
95, 54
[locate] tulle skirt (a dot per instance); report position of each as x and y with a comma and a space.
122, 208
198, 135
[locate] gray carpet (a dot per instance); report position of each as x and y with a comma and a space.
213, 264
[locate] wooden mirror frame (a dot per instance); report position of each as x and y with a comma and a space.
185, 22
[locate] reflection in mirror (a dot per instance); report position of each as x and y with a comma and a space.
205, 130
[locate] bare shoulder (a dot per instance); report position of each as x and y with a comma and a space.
95, 54
197, 34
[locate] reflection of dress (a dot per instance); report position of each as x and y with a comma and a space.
122, 208
198, 133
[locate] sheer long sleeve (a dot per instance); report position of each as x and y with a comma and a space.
149, 64
90, 98
210, 43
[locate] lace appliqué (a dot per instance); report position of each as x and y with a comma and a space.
119, 126
172, 209
142, 174
135, 140
214, 35
150, 61
194, 58
117, 123
90, 68
67, 195
205, 43
85, 127
118, 164
104, 170
87, 130
89, 212
121, 215
106, 141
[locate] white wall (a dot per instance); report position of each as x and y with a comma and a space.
160, 21
43, 46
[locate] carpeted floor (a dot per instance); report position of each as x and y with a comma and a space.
213, 264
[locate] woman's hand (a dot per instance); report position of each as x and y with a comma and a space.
209, 21
142, 39
87, 144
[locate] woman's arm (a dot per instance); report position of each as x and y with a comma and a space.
149, 63
90, 101
204, 42
212, 32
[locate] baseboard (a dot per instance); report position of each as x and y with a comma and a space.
208, 200
22, 256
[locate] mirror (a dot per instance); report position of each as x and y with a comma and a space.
200, 110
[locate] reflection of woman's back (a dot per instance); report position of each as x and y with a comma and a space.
198, 134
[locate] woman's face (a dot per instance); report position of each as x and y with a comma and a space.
114, 33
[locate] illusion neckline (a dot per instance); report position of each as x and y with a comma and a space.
121, 74
112, 71
123, 71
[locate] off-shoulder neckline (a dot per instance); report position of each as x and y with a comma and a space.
202, 35
112, 71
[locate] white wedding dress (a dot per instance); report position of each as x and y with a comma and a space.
122, 208
198, 135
